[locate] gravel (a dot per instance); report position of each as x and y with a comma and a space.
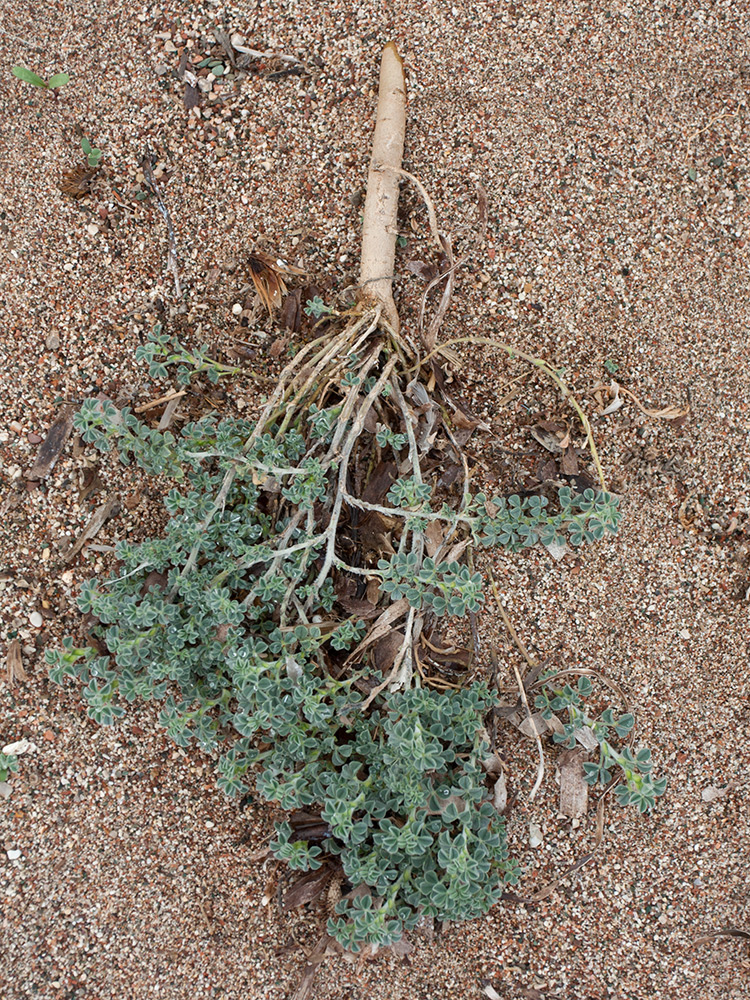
613, 143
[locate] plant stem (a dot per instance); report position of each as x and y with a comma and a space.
379, 228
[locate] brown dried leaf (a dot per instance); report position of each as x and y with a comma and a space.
291, 311
52, 446
374, 534
309, 825
192, 97
574, 792
314, 960
500, 794
381, 627
548, 437
738, 932
428, 272
278, 347
569, 462
456, 658
434, 536
493, 765
308, 888
361, 608
387, 650
91, 483
546, 470
267, 274
226, 43
383, 476
599, 831
532, 727
15, 663
154, 579
76, 183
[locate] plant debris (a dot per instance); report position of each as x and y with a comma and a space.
102, 514
14, 663
77, 182
574, 792
268, 274
52, 446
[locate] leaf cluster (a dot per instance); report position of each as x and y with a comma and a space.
55, 81
163, 351
638, 788
8, 765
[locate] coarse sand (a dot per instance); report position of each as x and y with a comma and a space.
612, 139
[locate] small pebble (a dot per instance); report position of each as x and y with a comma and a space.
13, 855
91, 229
237, 309
36, 619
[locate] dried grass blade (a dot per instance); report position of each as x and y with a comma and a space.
667, 413
430, 336
548, 889
723, 932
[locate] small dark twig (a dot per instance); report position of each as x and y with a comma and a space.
172, 265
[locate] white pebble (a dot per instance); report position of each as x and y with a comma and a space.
13, 855
237, 309
36, 619
19, 747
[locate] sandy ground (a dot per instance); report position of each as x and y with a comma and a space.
613, 142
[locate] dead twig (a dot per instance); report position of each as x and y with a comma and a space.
172, 394
172, 264
537, 737
97, 519
509, 626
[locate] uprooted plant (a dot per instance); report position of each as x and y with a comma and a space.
289, 615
